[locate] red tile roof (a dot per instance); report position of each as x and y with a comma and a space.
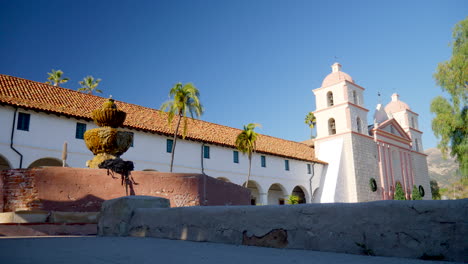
28, 94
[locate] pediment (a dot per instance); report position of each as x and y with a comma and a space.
391, 126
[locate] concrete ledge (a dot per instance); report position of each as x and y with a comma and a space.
47, 229
74, 217
24, 217
410, 229
116, 213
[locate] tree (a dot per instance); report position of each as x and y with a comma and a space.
56, 78
89, 85
451, 121
246, 143
399, 193
435, 190
310, 121
185, 100
293, 199
415, 193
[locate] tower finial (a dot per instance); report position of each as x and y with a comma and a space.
336, 67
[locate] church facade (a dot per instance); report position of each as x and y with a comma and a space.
343, 164
384, 153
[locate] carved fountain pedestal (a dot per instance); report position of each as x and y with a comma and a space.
107, 142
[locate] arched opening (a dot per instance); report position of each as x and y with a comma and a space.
413, 124
4, 164
330, 99
46, 162
359, 125
416, 144
315, 195
355, 98
331, 126
299, 192
276, 194
223, 179
254, 192
150, 170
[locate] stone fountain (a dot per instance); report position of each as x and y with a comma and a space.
107, 141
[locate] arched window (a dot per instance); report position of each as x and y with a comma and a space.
355, 98
358, 124
330, 99
416, 144
413, 124
331, 126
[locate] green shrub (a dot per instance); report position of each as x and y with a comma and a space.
399, 193
293, 199
415, 193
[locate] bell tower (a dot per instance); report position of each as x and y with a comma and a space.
340, 105
343, 139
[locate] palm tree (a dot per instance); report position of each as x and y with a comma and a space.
185, 100
310, 121
89, 85
246, 143
55, 78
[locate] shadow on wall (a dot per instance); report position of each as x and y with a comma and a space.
88, 203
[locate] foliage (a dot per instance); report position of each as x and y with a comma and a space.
310, 121
184, 100
435, 190
246, 142
56, 78
415, 193
293, 199
457, 190
89, 85
373, 184
450, 122
399, 193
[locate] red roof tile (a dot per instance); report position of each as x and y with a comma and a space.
28, 94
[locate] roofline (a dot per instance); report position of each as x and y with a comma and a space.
165, 134
338, 105
346, 81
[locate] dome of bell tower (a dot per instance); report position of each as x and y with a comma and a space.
336, 76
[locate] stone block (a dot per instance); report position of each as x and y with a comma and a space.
116, 214
6, 217
24, 217
74, 217
30, 217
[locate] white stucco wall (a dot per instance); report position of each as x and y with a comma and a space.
47, 134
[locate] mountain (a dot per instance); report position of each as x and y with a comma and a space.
443, 171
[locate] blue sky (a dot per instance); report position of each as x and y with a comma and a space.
253, 61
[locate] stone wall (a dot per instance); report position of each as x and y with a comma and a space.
84, 190
410, 229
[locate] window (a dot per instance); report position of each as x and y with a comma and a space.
309, 171
206, 152
355, 99
23, 121
80, 129
133, 139
358, 123
413, 124
286, 165
416, 144
331, 126
263, 161
330, 99
169, 143
235, 156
